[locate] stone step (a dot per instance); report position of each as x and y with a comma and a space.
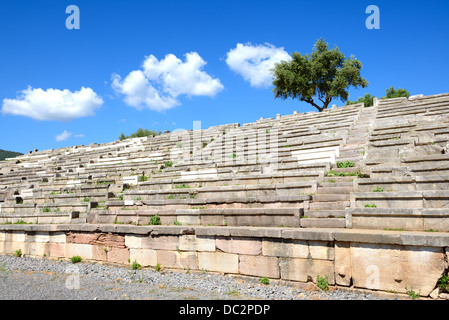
347, 170
350, 152
356, 159
337, 184
330, 197
334, 190
355, 141
324, 213
339, 179
323, 223
336, 205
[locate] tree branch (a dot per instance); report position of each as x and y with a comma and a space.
313, 104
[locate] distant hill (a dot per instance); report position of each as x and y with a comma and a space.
8, 154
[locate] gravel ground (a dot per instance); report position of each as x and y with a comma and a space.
23, 278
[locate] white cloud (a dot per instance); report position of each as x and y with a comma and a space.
158, 84
253, 62
53, 104
64, 136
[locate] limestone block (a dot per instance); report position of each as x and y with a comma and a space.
133, 241
193, 219
304, 270
288, 249
55, 250
218, 261
99, 253
145, 257
130, 180
160, 242
240, 245
321, 250
40, 237
36, 249
196, 243
76, 249
118, 255
57, 237
259, 266
18, 236
399, 268
343, 263
177, 260
10, 247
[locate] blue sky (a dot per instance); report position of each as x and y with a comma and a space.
171, 62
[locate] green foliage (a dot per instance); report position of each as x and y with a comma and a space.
18, 253
346, 164
86, 199
157, 267
20, 221
367, 205
322, 282
168, 164
322, 75
443, 283
412, 294
135, 265
393, 93
140, 133
46, 209
76, 259
155, 220
357, 173
378, 189
368, 100
181, 186
8, 154
265, 281
177, 223
142, 178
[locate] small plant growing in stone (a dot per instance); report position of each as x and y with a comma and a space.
412, 294
170, 197
157, 267
155, 220
46, 209
177, 223
76, 259
378, 189
345, 164
135, 265
18, 253
322, 282
168, 164
443, 283
86, 199
142, 178
367, 205
264, 280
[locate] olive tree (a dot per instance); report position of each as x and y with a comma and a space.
321, 76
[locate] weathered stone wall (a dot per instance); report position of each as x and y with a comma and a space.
376, 260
